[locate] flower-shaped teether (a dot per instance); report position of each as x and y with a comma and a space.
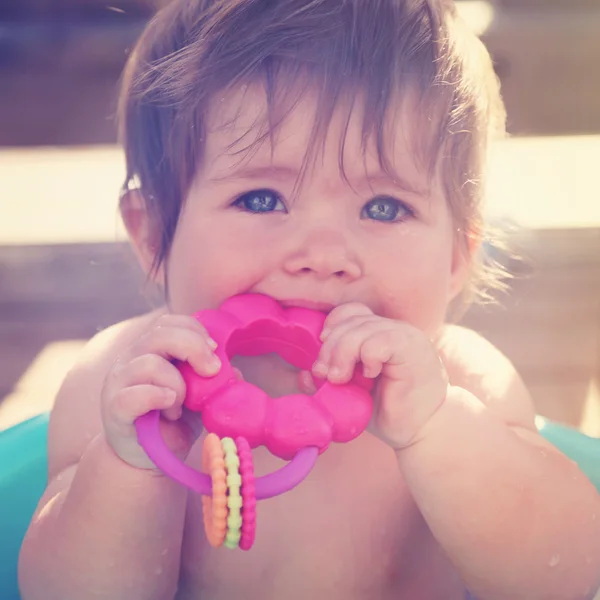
296, 427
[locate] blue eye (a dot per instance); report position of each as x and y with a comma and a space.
385, 208
259, 201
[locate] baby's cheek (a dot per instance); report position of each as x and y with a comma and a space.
423, 303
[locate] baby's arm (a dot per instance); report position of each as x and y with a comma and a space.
517, 518
104, 528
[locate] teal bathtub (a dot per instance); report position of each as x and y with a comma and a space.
23, 479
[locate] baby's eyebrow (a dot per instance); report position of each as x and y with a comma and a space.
397, 181
289, 173
281, 172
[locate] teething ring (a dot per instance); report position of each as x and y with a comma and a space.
267, 486
296, 427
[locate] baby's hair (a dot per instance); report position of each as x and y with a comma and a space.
376, 52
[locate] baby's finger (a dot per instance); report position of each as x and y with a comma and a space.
173, 413
151, 369
182, 344
132, 402
343, 353
342, 313
306, 383
375, 352
351, 324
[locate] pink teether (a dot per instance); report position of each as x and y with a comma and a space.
295, 427
250, 325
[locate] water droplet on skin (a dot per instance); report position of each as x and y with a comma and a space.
588, 559
594, 517
159, 571
164, 552
554, 560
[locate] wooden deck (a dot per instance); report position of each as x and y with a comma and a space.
65, 272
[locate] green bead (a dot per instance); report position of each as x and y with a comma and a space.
234, 480
234, 502
234, 521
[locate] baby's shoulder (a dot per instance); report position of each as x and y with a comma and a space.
475, 364
76, 419
466, 351
102, 349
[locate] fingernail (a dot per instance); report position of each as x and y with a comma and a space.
324, 334
214, 364
212, 344
335, 373
320, 368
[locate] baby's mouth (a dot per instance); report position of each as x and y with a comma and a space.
324, 307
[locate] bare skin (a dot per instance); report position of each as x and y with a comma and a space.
388, 552
285, 551
451, 488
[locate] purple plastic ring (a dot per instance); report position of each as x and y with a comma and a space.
274, 484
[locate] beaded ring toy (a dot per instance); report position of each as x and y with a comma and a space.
297, 427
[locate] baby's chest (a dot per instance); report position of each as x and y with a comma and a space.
321, 552
346, 532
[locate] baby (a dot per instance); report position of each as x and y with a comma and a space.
329, 154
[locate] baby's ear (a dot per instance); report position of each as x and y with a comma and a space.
466, 247
141, 228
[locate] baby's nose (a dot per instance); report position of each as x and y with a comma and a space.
324, 255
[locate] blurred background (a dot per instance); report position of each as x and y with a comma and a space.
65, 271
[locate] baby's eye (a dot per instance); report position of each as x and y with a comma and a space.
384, 208
260, 201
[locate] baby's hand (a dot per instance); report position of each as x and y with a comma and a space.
143, 378
411, 380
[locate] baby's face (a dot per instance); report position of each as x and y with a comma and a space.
244, 227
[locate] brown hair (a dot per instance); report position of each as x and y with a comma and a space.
193, 50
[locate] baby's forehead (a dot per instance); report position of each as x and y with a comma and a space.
243, 129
